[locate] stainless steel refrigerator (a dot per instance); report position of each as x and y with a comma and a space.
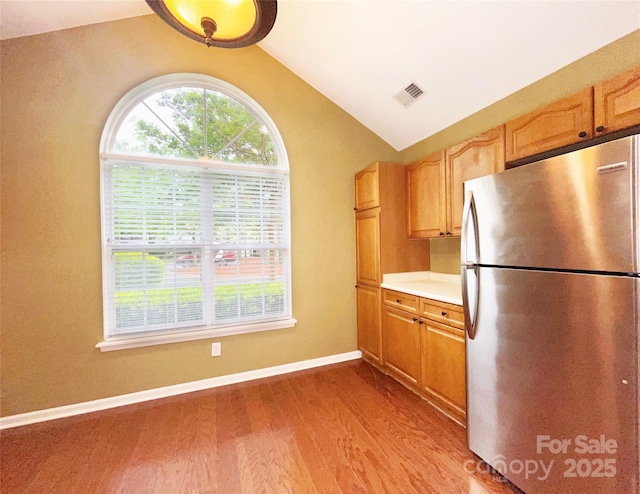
550, 270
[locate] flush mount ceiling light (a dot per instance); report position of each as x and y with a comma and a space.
222, 23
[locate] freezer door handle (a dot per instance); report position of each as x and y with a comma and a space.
469, 219
470, 317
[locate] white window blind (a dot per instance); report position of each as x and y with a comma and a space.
194, 243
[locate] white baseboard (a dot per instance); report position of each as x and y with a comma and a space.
177, 389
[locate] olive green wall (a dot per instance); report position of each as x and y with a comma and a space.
613, 59
57, 92
445, 255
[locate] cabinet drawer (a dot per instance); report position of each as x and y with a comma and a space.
402, 301
442, 312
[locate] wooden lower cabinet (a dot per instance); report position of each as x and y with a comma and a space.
426, 350
369, 337
443, 376
401, 344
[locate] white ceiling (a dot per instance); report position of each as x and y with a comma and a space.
360, 53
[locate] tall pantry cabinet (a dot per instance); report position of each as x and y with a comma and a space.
382, 246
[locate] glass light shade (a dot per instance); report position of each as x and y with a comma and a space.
236, 23
234, 18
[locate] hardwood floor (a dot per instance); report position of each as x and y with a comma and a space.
344, 428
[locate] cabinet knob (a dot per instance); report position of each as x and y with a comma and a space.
397, 301
444, 313
600, 128
582, 134
415, 319
442, 234
448, 234
421, 322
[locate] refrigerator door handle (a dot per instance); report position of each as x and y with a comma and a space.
470, 319
470, 215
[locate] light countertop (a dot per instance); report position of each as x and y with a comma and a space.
427, 284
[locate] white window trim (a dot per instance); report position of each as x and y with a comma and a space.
124, 342
122, 109
173, 81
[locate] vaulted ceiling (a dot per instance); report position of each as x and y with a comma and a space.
361, 53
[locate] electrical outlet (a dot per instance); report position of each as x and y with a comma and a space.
216, 349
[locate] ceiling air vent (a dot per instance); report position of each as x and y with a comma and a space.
409, 95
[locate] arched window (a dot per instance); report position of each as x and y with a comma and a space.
195, 215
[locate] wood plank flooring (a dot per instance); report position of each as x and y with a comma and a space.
345, 428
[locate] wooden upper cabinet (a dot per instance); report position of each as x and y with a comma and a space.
435, 184
426, 197
617, 103
477, 157
368, 247
367, 188
561, 123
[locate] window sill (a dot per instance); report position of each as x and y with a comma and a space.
125, 342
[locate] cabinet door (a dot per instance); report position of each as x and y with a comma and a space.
443, 365
617, 103
368, 247
561, 123
367, 188
369, 341
426, 203
479, 156
401, 344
